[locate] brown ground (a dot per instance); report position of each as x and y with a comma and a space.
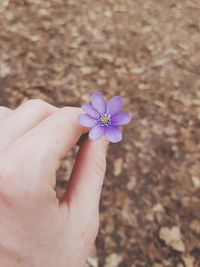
148, 52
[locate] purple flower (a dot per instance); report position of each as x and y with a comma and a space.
104, 119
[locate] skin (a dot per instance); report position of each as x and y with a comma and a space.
35, 228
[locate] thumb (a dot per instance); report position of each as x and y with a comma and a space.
87, 177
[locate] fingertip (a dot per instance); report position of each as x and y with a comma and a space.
99, 146
102, 144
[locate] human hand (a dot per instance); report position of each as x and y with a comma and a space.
35, 228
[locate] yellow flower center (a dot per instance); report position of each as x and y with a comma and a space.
105, 119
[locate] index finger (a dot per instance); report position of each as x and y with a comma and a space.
49, 141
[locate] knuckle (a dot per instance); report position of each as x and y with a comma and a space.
70, 114
70, 110
38, 104
99, 165
34, 102
97, 170
4, 109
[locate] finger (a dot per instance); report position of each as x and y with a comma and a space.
22, 119
87, 176
49, 141
4, 112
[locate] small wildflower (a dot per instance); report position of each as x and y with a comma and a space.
104, 118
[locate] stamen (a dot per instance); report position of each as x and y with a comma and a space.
105, 119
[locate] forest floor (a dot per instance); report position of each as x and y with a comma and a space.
147, 52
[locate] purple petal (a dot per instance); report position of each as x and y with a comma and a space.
113, 134
88, 108
86, 120
121, 118
114, 105
96, 132
98, 102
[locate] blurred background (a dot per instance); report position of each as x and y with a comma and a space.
147, 52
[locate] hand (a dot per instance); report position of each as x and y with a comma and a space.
35, 228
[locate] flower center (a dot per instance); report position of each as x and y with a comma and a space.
105, 119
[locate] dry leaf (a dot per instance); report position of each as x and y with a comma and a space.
188, 261
172, 238
113, 260
118, 164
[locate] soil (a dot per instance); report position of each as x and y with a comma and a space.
147, 52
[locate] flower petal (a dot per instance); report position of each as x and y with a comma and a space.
121, 118
113, 134
114, 105
88, 108
86, 120
96, 132
98, 102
